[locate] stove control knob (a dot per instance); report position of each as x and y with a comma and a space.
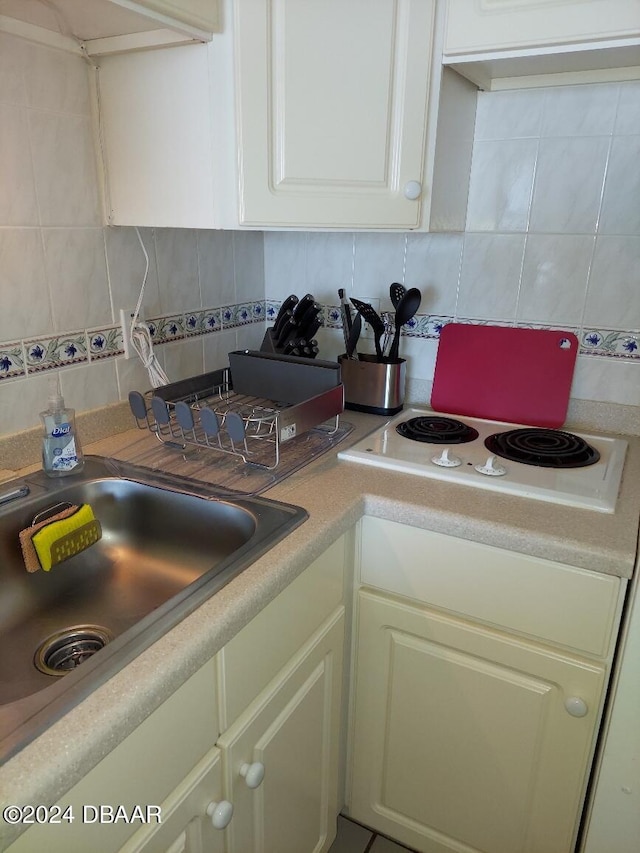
491, 468
445, 460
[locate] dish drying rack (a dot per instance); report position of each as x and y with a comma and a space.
248, 410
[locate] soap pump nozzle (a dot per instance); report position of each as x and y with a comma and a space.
56, 401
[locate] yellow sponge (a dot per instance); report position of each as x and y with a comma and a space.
59, 537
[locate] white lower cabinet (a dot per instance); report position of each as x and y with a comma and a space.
271, 782
281, 757
467, 735
461, 737
268, 783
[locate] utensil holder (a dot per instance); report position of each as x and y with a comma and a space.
373, 386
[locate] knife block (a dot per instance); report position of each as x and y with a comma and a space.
372, 386
268, 342
269, 345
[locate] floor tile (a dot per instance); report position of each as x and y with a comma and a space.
351, 837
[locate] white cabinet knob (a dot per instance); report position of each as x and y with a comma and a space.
220, 813
253, 774
576, 706
412, 190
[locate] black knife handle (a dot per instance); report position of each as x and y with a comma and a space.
288, 330
288, 305
303, 306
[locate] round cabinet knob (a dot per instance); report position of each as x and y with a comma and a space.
446, 459
576, 706
412, 190
220, 813
253, 774
491, 468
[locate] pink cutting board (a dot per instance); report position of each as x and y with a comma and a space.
502, 373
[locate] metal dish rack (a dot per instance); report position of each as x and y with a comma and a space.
216, 412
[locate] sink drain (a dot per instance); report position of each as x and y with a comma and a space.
65, 650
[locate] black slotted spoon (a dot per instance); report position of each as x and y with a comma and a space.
405, 310
371, 316
396, 292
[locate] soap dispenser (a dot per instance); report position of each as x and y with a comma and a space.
61, 451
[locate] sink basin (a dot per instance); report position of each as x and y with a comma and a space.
167, 545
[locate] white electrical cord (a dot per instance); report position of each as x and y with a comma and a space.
140, 335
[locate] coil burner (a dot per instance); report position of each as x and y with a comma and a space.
545, 448
436, 430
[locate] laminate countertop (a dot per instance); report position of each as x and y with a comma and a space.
336, 494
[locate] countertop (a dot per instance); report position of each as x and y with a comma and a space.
336, 495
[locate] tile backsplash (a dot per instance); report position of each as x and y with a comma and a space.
552, 239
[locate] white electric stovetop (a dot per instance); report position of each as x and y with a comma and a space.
593, 487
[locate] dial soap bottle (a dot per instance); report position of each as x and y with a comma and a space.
61, 451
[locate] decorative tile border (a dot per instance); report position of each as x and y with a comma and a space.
595, 342
610, 344
105, 343
271, 310
258, 311
194, 323
47, 353
12, 360
35, 355
332, 317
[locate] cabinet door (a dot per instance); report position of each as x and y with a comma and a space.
292, 732
186, 827
461, 737
332, 100
485, 25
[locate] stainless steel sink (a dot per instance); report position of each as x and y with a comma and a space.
167, 545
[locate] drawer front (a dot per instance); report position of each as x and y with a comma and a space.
539, 598
255, 655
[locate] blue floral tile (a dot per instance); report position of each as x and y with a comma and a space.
228, 316
415, 327
333, 317
271, 310
194, 323
58, 351
610, 343
436, 324
258, 311
237, 315
11, 360
105, 343
152, 326
212, 321
168, 329
244, 313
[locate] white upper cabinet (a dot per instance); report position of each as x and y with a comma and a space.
112, 26
302, 113
496, 42
332, 110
